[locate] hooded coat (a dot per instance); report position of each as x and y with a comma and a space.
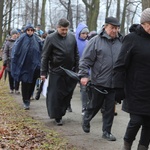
132, 70
100, 56
26, 57
81, 43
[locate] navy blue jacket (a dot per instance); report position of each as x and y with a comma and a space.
26, 57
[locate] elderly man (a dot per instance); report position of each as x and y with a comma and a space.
99, 56
60, 49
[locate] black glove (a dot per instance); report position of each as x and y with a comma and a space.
119, 95
5, 63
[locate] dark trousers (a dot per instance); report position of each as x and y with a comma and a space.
14, 85
136, 121
94, 105
28, 88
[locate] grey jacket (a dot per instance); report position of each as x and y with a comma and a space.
7, 53
99, 56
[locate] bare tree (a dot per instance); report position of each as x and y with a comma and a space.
118, 10
36, 13
108, 4
43, 15
145, 4
67, 6
10, 13
1, 20
92, 13
122, 30
79, 13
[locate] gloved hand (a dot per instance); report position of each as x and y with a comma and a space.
119, 95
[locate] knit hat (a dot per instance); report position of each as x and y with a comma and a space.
145, 16
13, 31
85, 30
112, 20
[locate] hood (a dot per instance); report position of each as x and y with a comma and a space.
81, 43
133, 28
138, 29
11, 40
105, 35
28, 26
80, 27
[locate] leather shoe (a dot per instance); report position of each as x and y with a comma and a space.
59, 122
86, 128
69, 109
108, 136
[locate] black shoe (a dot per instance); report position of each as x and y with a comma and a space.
58, 122
26, 107
69, 109
108, 136
115, 113
86, 128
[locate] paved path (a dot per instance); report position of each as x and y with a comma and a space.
72, 129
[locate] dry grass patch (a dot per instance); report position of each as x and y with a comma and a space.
19, 131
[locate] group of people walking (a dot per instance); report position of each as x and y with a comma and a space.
115, 68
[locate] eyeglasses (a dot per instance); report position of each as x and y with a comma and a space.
30, 30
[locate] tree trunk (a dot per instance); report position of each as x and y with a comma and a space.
77, 13
10, 14
145, 4
69, 14
36, 13
118, 10
108, 4
1, 20
93, 12
123, 17
43, 15
68, 7
5, 19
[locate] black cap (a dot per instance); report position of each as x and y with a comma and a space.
113, 21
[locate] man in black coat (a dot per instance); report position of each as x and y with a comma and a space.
132, 70
60, 49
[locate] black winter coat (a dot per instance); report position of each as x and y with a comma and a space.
59, 51
133, 70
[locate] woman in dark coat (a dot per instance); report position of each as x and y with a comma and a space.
133, 67
26, 60
14, 85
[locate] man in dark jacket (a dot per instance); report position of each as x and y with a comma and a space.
133, 71
60, 49
99, 56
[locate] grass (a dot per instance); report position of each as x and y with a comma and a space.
19, 131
